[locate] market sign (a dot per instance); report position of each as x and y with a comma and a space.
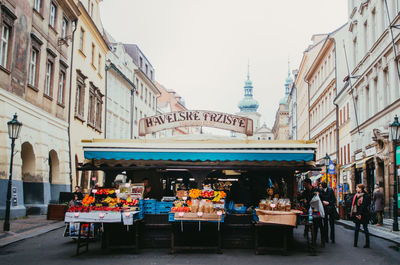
398, 155
193, 118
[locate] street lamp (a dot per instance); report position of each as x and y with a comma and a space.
14, 127
326, 162
394, 130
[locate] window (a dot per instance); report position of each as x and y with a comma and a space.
49, 79
82, 40
149, 99
91, 9
341, 155
5, 37
80, 95
64, 28
151, 74
61, 88
340, 119
37, 5
95, 107
145, 95
136, 117
348, 153
348, 113
53, 14
93, 49
141, 62
147, 69
99, 66
33, 67
344, 155
141, 90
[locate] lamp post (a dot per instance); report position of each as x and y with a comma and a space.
326, 162
394, 130
14, 127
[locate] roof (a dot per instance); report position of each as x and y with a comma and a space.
200, 150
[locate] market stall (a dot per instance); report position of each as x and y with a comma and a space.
103, 212
181, 168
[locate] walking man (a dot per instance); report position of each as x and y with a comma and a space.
328, 199
378, 201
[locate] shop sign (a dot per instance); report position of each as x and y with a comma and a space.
397, 155
370, 151
195, 118
340, 193
359, 156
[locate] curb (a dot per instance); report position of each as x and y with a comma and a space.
30, 234
346, 225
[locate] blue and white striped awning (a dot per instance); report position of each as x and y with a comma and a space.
201, 151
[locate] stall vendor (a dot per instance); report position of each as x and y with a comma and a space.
147, 189
240, 192
308, 193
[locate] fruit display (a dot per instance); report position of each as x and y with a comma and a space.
195, 193
87, 200
207, 194
105, 192
86, 209
218, 196
180, 209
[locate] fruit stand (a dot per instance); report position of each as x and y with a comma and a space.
182, 168
99, 214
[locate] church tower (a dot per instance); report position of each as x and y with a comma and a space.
248, 105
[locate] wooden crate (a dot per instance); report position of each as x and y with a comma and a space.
56, 211
195, 217
277, 217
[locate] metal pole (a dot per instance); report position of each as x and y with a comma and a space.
395, 208
6, 226
326, 175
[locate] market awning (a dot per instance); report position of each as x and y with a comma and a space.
198, 151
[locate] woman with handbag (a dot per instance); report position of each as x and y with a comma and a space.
360, 213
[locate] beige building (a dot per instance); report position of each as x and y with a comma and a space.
88, 87
281, 128
35, 59
302, 87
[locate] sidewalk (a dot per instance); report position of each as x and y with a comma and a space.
27, 227
384, 232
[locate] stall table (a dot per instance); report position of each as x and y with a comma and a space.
186, 228
98, 217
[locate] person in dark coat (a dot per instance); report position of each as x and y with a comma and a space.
360, 213
379, 204
328, 199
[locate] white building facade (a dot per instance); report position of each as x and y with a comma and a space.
376, 92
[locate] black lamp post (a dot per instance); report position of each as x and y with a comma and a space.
394, 129
326, 162
14, 127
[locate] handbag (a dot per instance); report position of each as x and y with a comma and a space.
335, 214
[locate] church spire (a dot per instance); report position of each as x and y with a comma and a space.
248, 104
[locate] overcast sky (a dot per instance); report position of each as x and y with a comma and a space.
200, 48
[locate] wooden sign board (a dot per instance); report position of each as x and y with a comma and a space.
195, 118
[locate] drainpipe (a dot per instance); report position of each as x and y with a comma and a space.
69, 102
105, 104
309, 120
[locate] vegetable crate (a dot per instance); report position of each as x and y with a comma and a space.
163, 207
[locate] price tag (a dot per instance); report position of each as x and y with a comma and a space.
199, 214
127, 214
116, 191
184, 198
101, 215
273, 205
180, 214
219, 213
76, 215
127, 185
94, 191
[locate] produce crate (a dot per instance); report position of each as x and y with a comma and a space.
56, 212
277, 217
149, 209
151, 202
165, 204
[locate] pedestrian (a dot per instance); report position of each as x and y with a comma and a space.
78, 192
360, 213
378, 201
328, 199
305, 197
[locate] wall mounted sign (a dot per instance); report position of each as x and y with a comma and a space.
194, 118
370, 151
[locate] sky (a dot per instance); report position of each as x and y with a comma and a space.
201, 48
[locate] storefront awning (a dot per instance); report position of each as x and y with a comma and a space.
156, 152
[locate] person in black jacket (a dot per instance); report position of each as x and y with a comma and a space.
360, 213
328, 199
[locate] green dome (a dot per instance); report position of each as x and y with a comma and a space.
248, 103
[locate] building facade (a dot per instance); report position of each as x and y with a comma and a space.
376, 90
292, 103
145, 97
34, 69
120, 91
302, 87
87, 87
